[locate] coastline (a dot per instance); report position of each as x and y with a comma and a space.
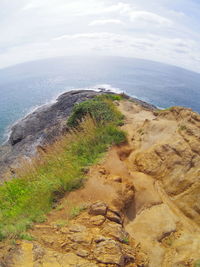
44, 124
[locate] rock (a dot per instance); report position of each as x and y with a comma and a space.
109, 252
77, 228
113, 217
117, 179
97, 220
98, 208
102, 171
48, 240
99, 238
64, 230
41, 127
38, 252
81, 238
82, 253
115, 231
42, 226
71, 259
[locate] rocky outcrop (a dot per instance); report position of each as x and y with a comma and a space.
81, 243
143, 206
164, 167
39, 128
43, 126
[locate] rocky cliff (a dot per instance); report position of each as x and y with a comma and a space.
42, 127
139, 207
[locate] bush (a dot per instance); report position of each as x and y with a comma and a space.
100, 108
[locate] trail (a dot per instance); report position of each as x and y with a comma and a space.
150, 186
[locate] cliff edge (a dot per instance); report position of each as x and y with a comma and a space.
140, 205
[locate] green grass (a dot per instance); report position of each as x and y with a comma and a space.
197, 263
100, 108
75, 211
40, 183
61, 223
126, 240
182, 127
26, 236
163, 110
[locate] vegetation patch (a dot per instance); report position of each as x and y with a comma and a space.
75, 211
39, 183
182, 127
100, 108
197, 263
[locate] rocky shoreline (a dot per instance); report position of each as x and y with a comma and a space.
44, 125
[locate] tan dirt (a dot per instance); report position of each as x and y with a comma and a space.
151, 186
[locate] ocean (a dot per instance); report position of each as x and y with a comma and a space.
26, 86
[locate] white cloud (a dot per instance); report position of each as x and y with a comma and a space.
104, 22
161, 30
149, 17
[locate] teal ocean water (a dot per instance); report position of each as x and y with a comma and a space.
29, 85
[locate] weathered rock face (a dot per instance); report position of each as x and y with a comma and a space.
164, 166
49, 120
144, 201
78, 244
175, 160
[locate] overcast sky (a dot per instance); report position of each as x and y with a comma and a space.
160, 30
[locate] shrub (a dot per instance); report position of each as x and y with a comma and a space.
100, 108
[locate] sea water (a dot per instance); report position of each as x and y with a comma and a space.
26, 86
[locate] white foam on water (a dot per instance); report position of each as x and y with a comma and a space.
101, 87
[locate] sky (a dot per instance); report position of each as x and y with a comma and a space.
160, 30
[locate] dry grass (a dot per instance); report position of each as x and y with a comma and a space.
58, 169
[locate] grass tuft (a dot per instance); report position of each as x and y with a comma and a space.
75, 211
197, 263
100, 108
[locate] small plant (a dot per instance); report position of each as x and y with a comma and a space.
100, 108
60, 207
126, 240
140, 131
168, 242
75, 211
41, 219
163, 110
182, 127
197, 263
61, 223
113, 97
26, 236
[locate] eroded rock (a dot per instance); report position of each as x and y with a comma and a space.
98, 208
109, 252
115, 231
97, 220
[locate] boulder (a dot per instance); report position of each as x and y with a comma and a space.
115, 231
98, 208
77, 228
109, 252
113, 217
81, 238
